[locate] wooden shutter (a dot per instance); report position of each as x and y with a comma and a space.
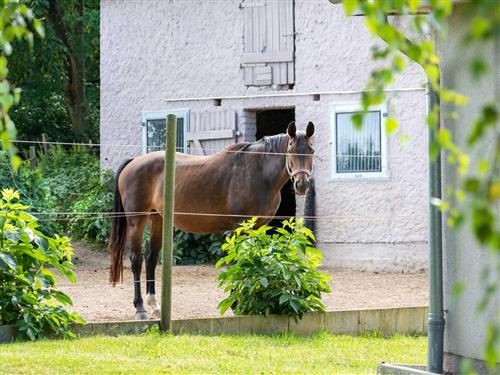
269, 42
211, 131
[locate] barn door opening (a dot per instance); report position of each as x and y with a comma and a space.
271, 122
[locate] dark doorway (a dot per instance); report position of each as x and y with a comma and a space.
271, 122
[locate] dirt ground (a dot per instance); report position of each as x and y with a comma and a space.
196, 292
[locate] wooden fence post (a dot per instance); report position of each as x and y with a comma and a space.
168, 223
45, 145
32, 157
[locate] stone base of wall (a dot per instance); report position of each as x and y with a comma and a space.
402, 320
392, 369
452, 365
376, 257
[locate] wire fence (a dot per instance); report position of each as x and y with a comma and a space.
74, 216
109, 215
206, 149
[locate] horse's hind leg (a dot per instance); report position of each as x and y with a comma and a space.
152, 261
135, 234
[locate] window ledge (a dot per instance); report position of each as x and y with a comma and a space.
351, 178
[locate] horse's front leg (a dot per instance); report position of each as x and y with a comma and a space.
151, 262
136, 231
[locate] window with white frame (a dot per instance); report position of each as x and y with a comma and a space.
154, 129
359, 152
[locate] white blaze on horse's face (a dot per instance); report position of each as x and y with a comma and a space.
299, 159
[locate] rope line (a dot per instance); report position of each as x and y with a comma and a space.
132, 282
206, 149
111, 215
101, 284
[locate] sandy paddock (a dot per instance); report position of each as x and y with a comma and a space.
196, 292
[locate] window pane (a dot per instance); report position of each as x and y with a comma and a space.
156, 134
358, 150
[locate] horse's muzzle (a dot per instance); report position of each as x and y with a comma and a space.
301, 186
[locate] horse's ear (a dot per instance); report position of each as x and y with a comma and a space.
310, 130
291, 130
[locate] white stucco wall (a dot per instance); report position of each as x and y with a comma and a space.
464, 259
155, 50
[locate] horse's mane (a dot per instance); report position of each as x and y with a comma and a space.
273, 143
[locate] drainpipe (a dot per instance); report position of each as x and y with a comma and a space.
435, 320
436, 315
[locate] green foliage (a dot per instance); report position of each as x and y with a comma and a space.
77, 185
65, 181
190, 248
33, 188
16, 20
272, 274
28, 295
43, 74
475, 194
71, 174
94, 227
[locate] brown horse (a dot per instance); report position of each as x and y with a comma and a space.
229, 182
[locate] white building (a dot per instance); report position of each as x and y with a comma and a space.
237, 70
465, 261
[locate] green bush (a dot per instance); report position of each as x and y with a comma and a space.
272, 274
190, 248
65, 181
71, 174
33, 188
94, 227
28, 295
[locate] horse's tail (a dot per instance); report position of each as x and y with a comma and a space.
118, 232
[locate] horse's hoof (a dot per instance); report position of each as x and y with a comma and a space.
143, 315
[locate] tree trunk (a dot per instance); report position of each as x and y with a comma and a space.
74, 91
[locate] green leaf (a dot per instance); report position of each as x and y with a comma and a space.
414, 4
391, 125
457, 289
297, 280
432, 72
479, 68
479, 27
472, 185
295, 306
350, 6
13, 236
9, 261
41, 242
357, 120
284, 298
264, 282
62, 297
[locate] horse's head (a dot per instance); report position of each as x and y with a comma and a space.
299, 159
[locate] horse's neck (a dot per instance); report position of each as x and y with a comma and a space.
271, 164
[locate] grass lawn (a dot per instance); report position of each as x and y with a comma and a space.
155, 353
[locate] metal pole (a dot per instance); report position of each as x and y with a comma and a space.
436, 315
168, 223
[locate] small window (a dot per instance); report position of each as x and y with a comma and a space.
268, 43
154, 127
359, 153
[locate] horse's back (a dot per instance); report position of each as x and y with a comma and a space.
141, 181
